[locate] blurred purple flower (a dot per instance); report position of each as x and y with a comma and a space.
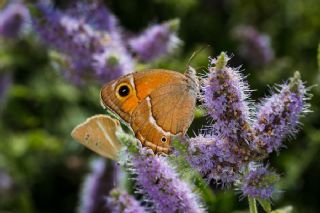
67, 34
278, 115
6, 183
225, 98
120, 202
97, 186
94, 13
160, 182
88, 51
112, 61
12, 19
156, 41
217, 159
259, 183
255, 47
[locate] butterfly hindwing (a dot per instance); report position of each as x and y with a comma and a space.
98, 133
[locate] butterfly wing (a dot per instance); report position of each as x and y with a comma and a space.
165, 111
172, 108
159, 117
98, 133
160, 105
139, 85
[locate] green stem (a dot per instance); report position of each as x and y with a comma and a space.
252, 205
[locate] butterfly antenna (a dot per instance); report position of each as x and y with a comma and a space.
201, 67
195, 53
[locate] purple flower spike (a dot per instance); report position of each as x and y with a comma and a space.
259, 183
12, 19
217, 159
156, 41
162, 185
95, 13
68, 35
98, 16
120, 202
224, 97
89, 54
97, 186
112, 62
278, 115
255, 47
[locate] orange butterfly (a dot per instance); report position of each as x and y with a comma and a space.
157, 104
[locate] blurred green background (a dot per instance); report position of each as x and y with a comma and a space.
42, 168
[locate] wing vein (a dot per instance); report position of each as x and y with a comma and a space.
106, 135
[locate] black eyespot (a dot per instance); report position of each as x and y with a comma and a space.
124, 91
87, 137
163, 139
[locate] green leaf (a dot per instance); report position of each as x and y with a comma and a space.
287, 209
252, 205
34, 11
129, 141
265, 205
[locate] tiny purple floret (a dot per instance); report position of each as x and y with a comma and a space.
121, 202
259, 183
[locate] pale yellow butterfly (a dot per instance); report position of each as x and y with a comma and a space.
98, 133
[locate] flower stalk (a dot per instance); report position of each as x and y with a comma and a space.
252, 205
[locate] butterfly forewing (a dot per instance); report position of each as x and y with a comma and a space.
157, 104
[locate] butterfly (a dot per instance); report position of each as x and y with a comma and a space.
98, 133
157, 104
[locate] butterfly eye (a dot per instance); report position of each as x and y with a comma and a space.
123, 90
164, 139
